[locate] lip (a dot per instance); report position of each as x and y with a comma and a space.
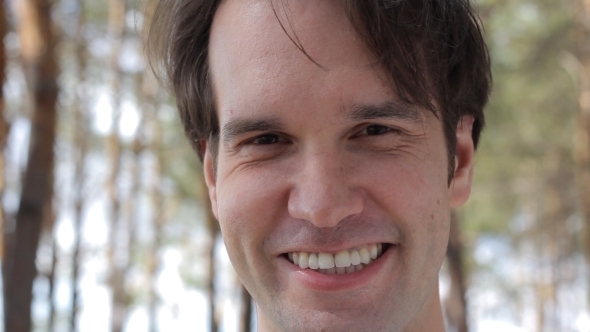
317, 281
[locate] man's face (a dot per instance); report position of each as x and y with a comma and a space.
326, 160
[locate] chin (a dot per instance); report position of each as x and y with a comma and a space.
326, 321
360, 316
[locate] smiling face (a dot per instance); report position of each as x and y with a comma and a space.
323, 163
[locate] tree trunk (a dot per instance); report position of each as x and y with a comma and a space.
117, 30
158, 225
455, 304
3, 137
245, 310
136, 183
38, 53
51, 293
557, 209
581, 137
81, 130
3, 123
213, 230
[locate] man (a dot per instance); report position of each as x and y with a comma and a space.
336, 136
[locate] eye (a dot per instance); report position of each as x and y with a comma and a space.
373, 130
267, 139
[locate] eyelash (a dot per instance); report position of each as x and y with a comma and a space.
276, 138
383, 130
368, 131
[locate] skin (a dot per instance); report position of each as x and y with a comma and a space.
301, 167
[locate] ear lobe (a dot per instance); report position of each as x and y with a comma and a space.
460, 187
209, 174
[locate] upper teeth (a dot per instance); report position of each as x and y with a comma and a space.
352, 259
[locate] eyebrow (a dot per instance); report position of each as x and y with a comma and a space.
241, 126
386, 110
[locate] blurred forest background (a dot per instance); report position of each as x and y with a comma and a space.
105, 218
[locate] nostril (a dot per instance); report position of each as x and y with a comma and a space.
324, 209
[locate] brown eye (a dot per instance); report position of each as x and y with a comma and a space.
266, 139
376, 130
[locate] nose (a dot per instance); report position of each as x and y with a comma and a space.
324, 193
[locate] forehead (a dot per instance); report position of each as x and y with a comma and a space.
252, 48
260, 30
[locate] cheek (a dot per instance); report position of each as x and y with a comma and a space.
249, 206
409, 189
415, 195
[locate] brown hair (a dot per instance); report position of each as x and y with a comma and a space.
433, 50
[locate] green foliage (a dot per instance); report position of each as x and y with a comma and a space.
530, 112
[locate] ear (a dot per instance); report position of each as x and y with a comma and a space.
460, 187
210, 175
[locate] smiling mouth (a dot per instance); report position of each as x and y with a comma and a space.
343, 262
